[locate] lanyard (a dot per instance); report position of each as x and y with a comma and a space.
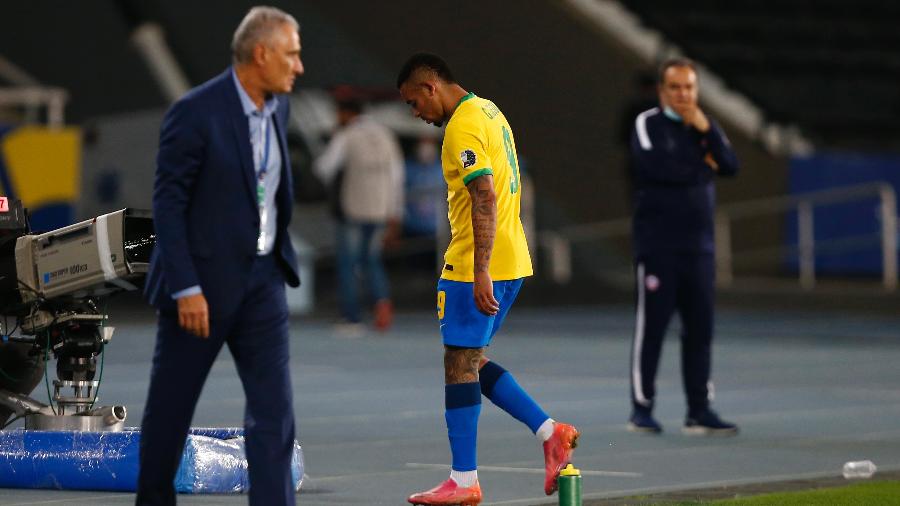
262, 240
264, 166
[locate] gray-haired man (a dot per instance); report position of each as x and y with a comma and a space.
222, 202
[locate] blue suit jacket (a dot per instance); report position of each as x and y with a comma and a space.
204, 200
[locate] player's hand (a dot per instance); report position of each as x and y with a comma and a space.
484, 294
193, 314
698, 119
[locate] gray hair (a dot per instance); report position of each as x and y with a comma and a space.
257, 26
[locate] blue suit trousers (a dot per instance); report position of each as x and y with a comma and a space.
257, 336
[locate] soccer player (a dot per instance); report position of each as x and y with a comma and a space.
485, 263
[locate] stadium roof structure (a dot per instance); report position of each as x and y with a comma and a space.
91, 49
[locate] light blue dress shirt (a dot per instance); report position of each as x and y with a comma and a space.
261, 125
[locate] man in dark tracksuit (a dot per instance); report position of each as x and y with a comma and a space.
677, 151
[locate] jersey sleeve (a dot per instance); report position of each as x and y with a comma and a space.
465, 143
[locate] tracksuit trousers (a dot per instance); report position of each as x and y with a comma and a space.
665, 283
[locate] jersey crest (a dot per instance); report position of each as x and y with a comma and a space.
468, 158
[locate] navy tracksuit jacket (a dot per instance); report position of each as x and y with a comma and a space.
674, 210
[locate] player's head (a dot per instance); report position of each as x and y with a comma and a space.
267, 43
678, 86
423, 81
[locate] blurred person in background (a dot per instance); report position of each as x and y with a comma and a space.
677, 151
222, 201
485, 265
424, 189
363, 165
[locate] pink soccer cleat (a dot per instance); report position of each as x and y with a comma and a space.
558, 452
449, 493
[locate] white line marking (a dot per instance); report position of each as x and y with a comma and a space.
673, 488
528, 470
773, 478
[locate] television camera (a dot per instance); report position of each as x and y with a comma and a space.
50, 285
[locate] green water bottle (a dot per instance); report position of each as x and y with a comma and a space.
569, 486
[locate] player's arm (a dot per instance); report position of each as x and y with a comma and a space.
484, 228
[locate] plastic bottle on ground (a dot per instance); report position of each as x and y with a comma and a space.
569, 486
859, 469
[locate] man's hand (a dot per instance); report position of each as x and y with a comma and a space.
193, 315
709, 160
698, 119
484, 294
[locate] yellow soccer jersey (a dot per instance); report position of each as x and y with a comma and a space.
479, 141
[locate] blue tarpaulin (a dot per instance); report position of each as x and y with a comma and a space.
213, 461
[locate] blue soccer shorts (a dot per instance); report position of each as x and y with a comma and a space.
462, 324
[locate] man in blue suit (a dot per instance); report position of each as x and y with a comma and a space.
222, 201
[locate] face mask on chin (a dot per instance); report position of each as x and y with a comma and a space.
671, 114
